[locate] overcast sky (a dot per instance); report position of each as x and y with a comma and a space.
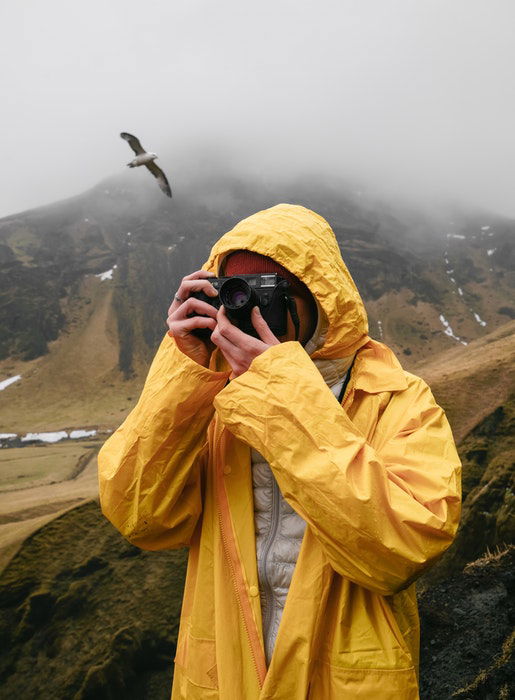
415, 97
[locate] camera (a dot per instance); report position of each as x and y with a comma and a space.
239, 295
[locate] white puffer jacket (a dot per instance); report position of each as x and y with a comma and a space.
279, 533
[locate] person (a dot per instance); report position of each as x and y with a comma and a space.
312, 479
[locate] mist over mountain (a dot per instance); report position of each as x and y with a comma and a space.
412, 266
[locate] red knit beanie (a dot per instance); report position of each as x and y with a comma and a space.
245, 262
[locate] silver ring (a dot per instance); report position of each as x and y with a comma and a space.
178, 298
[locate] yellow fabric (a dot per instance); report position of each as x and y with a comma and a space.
376, 480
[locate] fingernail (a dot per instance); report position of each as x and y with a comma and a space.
256, 309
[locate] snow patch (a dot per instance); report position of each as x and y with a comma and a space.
8, 382
460, 291
491, 251
452, 280
456, 235
129, 233
485, 228
478, 319
6, 436
75, 434
448, 330
107, 275
449, 272
46, 437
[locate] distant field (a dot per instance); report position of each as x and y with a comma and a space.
24, 467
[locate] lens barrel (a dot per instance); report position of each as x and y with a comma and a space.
238, 297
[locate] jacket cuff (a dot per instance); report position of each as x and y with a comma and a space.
175, 378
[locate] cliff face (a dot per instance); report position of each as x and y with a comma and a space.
468, 642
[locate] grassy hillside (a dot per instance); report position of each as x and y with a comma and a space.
86, 615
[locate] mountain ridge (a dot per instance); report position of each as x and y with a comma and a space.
57, 312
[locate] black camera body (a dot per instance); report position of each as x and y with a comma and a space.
239, 294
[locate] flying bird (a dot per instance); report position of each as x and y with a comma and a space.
146, 158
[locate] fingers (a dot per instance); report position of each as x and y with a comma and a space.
180, 321
191, 306
229, 330
199, 274
191, 324
195, 282
238, 347
262, 327
222, 333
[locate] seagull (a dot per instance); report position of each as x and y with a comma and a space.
146, 158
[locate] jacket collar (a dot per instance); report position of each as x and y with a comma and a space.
377, 369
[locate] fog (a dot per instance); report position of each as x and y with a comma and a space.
412, 99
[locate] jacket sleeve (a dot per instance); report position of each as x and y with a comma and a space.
150, 468
381, 515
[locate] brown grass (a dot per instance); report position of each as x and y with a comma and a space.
77, 385
471, 382
23, 467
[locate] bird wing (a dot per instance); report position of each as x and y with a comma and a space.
161, 178
133, 143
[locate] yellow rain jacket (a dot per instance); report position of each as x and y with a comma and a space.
377, 480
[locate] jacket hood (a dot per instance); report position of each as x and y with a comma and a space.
304, 243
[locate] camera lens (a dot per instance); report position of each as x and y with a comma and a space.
237, 296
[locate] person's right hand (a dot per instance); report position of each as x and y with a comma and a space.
181, 326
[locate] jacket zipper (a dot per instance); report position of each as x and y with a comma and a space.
263, 570
233, 574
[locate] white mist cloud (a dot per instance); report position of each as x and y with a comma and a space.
414, 98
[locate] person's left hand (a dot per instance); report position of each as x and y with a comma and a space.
239, 348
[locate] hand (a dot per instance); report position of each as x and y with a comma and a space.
239, 348
182, 306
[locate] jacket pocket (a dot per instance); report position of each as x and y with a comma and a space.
331, 682
197, 659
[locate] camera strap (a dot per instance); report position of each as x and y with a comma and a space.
292, 308
346, 380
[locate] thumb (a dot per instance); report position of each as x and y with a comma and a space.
262, 327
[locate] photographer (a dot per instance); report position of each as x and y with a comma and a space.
311, 477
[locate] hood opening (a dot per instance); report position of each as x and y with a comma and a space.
304, 244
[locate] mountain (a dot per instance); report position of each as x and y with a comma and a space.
85, 283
